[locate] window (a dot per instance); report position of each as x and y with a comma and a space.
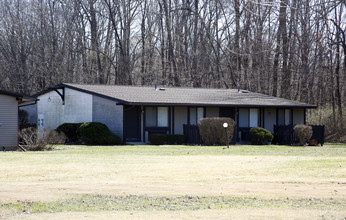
162, 116
287, 116
196, 113
156, 116
243, 117
248, 117
254, 117
284, 116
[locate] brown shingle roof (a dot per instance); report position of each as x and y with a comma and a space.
139, 95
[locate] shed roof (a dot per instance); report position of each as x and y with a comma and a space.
180, 96
22, 98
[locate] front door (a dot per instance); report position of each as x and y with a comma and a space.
132, 123
229, 112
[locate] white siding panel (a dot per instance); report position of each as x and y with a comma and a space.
77, 108
50, 109
180, 118
108, 113
9, 121
269, 119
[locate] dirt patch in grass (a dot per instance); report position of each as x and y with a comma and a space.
263, 213
104, 203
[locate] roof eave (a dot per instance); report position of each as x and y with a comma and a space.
218, 105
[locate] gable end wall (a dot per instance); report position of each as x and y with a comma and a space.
77, 108
108, 113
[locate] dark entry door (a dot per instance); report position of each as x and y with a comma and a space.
132, 123
229, 112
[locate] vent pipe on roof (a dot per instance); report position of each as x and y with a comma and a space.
238, 89
155, 86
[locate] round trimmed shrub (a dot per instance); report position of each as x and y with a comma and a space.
97, 133
212, 131
261, 135
304, 133
71, 131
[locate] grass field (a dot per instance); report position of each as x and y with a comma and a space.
169, 182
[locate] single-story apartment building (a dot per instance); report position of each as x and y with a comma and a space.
134, 112
9, 118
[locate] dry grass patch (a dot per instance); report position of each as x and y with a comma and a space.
265, 172
263, 213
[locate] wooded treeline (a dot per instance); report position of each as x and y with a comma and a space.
294, 49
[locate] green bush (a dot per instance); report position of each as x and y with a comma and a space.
71, 131
170, 139
260, 135
180, 139
89, 133
97, 133
212, 131
304, 133
158, 139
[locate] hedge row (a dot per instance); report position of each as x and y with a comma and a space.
94, 133
170, 139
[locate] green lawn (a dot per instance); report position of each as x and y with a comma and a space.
174, 182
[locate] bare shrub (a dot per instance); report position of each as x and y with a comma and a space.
212, 131
29, 139
304, 133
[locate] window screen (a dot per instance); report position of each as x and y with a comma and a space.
254, 117
156, 116
150, 116
193, 115
162, 116
244, 117
281, 117
287, 116
200, 113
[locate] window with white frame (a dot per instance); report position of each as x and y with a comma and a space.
196, 113
284, 116
156, 116
249, 117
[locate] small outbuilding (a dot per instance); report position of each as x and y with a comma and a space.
9, 118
